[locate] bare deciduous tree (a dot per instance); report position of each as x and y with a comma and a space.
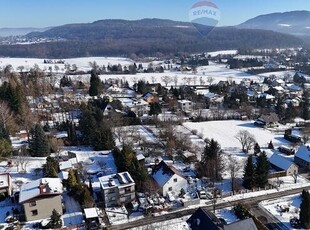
210, 80
234, 167
6, 116
306, 134
22, 160
246, 139
166, 80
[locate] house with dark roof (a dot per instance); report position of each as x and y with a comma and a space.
203, 219
302, 157
40, 197
169, 179
269, 120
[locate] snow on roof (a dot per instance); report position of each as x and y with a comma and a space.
116, 180
90, 213
46, 186
140, 157
280, 162
242, 224
184, 101
162, 173
4, 180
65, 165
278, 88
303, 153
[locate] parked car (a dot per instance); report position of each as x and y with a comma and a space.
202, 194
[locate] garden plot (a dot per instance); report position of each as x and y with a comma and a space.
135, 135
284, 208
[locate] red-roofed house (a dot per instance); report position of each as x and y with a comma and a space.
40, 197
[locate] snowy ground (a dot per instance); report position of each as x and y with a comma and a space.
81, 63
218, 72
180, 223
225, 131
274, 207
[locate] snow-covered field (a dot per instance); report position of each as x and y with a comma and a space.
81, 63
225, 131
218, 72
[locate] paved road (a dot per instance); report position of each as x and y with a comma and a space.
252, 201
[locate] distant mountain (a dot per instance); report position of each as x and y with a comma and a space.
147, 36
6, 32
294, 22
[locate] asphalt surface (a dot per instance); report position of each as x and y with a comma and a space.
271, 223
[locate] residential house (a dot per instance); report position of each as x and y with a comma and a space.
6, 184
280, 163
278, 82
268, 120
117, 189
40, 197
185, 105
150, 98
302, 157
169, 179
203, 219
138, 106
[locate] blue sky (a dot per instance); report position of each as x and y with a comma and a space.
42, 13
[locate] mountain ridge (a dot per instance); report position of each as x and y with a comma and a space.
291, 22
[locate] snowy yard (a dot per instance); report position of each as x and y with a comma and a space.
276, 208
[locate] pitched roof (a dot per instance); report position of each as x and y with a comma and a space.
303, 153
246, 224
43, 186
203, 219
280, 162
163, 172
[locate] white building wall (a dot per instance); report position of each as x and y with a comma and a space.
176, 186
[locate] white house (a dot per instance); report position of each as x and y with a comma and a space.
283, 164
185, 105
169, 179
117, 189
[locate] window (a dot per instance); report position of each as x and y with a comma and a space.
128, 189
175, 180
112, 199
32, 204
112, 190
170, 188
34, 212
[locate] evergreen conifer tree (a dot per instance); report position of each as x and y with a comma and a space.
249, 173
39, 144
56, 221
71, 179
304, 215
95, 84
262, 170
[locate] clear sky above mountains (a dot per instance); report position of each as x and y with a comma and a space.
43, 13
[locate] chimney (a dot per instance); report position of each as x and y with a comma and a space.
42, 188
